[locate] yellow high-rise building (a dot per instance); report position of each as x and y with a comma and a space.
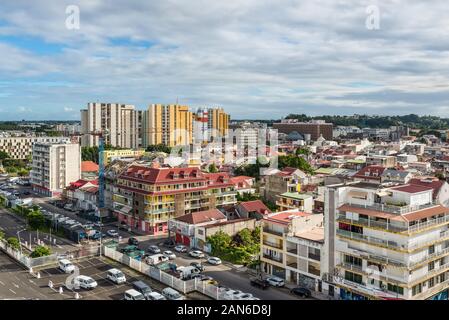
218, 122
170, 125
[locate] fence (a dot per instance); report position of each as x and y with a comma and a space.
25, 260
184, 286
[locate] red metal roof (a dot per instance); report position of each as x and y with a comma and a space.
202, 216
255, 206
412, 188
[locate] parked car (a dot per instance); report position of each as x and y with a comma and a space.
232, 294
85, 282
244, 296
133, 294
262, 284
169, 254
133, 241
116, 276
155, 296
143, 288
180, 248
172, 294
66, 266
156, 259
275, 281
112, 233
196, 254
214, 260
302, 292
169, 243
198, 265
98, 224
154, 249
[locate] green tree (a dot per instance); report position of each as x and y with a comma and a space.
14, 243
213, 168
3, 155
246, 196
158, 148
40, 251
2, 235
295, 161
36, 219
220, 243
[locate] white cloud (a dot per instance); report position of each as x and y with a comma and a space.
255, 58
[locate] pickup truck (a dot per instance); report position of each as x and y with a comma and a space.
262, 284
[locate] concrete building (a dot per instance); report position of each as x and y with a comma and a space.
118, 121
385, 243
145, 198
281, 181
210, 123
54, 167
292, 247
171, 125
295, 200
20, 148
314, 128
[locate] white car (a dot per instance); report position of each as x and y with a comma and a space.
180, 248
155, 296
85, 282
116, 276
169, 254
243, 296
275, 281
214, 260
196, 254
232, 294
112, 233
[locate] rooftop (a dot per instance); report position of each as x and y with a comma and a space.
296, 195
285, 217
202, 217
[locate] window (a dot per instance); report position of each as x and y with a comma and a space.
431, 282
353, 260
416, 289
431, 265
395, 289
353, 277
431, 249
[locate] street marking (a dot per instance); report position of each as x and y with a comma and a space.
12, 291
15, 285
2, 283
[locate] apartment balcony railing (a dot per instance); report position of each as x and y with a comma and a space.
292, 251
392, 208
271, 231
429, 257
156, 211
394, 227
272, 244
391, 244
277, 259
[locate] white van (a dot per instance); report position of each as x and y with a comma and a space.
132, 294
115, 275
66, 266
85, 282
172, 294
188, 271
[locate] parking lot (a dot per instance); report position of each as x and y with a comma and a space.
97, 268
225, 274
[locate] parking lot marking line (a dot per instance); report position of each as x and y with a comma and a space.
12, 291
2, 283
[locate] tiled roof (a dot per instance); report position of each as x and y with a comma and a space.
286, 216
202, 216
255, 206
89, 166
370, 172
435, 184
412, 188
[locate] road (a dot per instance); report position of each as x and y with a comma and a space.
233, 278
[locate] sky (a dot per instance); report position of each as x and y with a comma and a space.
257, 59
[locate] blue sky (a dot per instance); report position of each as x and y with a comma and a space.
257, 59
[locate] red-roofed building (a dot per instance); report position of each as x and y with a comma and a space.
82, 194
440, 188
253, 209
89, 170
243, 184
145, 198
370, 174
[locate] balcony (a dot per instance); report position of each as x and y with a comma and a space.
313, 256
271, 231
270, 257
392, 208
292, 251
293, 265
272, 244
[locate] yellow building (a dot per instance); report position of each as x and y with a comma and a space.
109, 155
218, 122
170, 125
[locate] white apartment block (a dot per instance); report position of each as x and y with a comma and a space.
119, 123
21, 147
54, 167
385, 243
292, 247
